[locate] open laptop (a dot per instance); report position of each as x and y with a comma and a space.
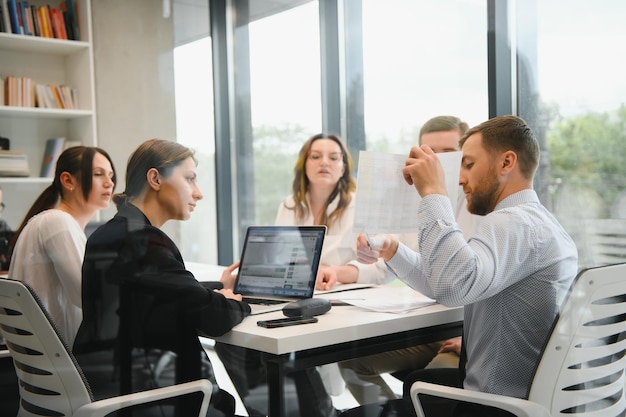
278, 265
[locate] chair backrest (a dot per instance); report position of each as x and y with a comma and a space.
605, 241
50, 381
581, 371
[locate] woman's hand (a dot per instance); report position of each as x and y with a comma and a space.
229, 294
229, 276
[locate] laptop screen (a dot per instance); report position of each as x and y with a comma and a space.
280, 261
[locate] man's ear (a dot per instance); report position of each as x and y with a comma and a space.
154, 179
508, 162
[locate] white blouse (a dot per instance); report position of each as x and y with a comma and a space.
340, 241
48, 256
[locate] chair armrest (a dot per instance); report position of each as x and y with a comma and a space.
103, 407
517, 406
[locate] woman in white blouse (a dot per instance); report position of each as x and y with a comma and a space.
323, 193
49, 246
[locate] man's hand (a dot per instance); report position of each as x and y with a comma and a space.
451, 345
229, 277
424, 171
380, 246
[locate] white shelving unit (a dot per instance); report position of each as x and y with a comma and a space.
46, 61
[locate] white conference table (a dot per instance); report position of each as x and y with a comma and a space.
345, 332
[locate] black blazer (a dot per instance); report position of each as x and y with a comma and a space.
137, 297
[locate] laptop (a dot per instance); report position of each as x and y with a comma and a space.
279, 265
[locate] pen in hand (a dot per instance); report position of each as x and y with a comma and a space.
369, 254
375, 242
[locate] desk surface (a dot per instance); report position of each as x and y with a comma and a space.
341, 324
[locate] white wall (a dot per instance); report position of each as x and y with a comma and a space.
133, 46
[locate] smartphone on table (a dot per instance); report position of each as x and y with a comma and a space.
287, 321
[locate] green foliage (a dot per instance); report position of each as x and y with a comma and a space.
590, 147
588, 152
275, 152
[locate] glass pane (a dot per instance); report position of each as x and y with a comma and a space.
582, 93
285, 99
422, 59
195, 129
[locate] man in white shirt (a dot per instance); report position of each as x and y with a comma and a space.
512, 274
441, 134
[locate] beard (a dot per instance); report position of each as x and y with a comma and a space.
483, 197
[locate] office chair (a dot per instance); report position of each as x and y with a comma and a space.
605, 241
50, 380
581, 370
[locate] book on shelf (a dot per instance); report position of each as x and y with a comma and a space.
54, 147
6, 17
23, 10
13, 164
2, 13
58, 24
13, 18
33, 14
70, 9
44, 21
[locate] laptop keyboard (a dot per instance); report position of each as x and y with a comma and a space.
262, 301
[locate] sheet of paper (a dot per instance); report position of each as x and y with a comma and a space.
385, 203
390, 300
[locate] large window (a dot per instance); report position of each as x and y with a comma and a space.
581, 115
285, 100
420, 60
408, 62
194, 128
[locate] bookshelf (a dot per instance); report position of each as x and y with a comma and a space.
46, 61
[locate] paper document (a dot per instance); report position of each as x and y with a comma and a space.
344, 287
390, 300
385, 203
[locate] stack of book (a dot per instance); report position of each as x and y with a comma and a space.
13, 164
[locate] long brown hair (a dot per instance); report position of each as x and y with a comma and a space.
344, 188
78, 162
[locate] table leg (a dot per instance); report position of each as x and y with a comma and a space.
276, 388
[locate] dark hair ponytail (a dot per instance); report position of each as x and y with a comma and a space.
76, 160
